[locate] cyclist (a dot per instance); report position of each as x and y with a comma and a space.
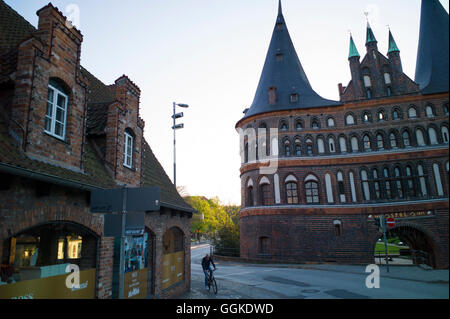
206, 265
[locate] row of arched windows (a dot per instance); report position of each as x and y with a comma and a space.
367, 142
384, 183
366, 117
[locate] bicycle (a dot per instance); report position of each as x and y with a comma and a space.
212, 282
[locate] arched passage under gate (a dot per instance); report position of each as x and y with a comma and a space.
409, 242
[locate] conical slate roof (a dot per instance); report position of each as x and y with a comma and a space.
432, 54
283, 71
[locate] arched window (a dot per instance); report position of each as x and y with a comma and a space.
432, 135
352, 186
349, 119
366, 143
419, 137
406, 139
412, 112
444, 132
329, 188
343, 144
445, 108
410, 182
298, 148
341, 188
56, 111
128, 149
387, 183
376, 184
395, 114
264, 191
283, 126
320, 145
366, 117
354, 142
429, 111
250, 196
398, 182
311, 189
331, 145
387, 78
393, 140
380, 141
422, 181
309, 147
291, 193
287, 148
330, 122
367, 82
437, 180
298, 125
365, 185
315, 124
381, 116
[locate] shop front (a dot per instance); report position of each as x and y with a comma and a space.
54, 260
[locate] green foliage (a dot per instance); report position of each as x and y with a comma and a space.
215, 221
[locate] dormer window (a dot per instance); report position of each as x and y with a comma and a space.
279, 57
294, 98
128, 149
272, 95
56, 114
367, 82
387, 78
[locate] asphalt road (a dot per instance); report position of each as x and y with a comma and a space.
239, 280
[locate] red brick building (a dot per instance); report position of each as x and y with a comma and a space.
381, 149
64, 134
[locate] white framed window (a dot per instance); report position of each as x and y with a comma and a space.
412, 113
320, 146
429, 111
432, 135
343, 144
354, 143
56, 113
387, 78
330, 122
419, 137
367, 82
128, 150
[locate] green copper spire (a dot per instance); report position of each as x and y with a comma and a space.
370, 37
353, 51
392, 45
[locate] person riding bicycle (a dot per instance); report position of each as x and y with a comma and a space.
206, 265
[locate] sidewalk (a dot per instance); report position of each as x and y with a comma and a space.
412, 273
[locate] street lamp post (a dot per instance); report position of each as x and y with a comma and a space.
176, 127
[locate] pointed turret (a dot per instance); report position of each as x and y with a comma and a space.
370, 37
432, 54
394, 58
283, 84
353, 52
392, 45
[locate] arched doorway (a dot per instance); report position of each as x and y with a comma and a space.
172, 257
407, 244
36, 261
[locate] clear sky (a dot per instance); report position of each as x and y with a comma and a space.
210, 53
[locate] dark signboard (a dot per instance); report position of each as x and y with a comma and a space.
138, 199
134, 225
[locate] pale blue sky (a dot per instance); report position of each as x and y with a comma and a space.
209, 54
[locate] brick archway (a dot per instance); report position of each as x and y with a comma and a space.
422, 243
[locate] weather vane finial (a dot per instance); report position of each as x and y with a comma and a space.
366, 13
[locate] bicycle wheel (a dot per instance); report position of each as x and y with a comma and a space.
214, 285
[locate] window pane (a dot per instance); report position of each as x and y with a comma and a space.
48, 124
58, 129
50, 94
